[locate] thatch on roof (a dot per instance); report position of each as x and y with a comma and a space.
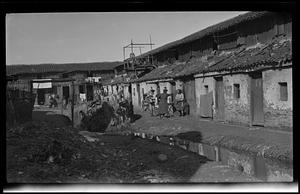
59, 68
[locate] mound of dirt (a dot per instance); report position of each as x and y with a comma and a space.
43, 147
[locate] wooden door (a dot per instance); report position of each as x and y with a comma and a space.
257, 99
219, 91
190, 96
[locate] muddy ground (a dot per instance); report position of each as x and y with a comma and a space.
50, 151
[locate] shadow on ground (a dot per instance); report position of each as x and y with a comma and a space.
194, 136
143, 163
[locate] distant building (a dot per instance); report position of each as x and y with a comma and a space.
59, 79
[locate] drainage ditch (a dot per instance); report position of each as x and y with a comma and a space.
268, 170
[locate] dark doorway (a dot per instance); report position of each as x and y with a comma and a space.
174, 92
41, 96
129, 89
66, 93
89, 92
138, 93
220, 109
257, 111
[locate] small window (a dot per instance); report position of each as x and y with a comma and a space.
236, 91
206, 89
81, 89
283, 91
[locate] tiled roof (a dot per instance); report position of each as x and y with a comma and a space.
163, 72
64, 67
119, 80
265, 55
210, 30
259, 55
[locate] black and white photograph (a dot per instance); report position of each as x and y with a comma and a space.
149, 98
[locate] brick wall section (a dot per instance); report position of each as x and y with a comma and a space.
277, 113
237, 109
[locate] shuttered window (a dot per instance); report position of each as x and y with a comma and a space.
283, 91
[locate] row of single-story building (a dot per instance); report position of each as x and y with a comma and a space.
238, 71
251, 85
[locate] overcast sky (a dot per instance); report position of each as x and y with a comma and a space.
96, 37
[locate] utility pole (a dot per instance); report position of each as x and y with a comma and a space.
150, 43
72, 105
151, 50
131, 46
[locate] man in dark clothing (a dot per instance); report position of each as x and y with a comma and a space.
163, 103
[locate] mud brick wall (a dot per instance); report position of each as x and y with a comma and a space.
77, 109
278, 113
237, 109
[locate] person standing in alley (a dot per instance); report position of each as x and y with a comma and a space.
163, 104
152, 101
179, 101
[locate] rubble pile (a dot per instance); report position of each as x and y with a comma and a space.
103, 115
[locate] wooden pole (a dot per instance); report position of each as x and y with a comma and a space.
72, 104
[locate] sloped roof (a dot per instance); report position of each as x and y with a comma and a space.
209, 30
119, 80
64, 67
272, 54
163, 72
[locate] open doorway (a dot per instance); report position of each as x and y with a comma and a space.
41, 96
66, 93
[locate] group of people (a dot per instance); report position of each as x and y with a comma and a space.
165, 104
53, 100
